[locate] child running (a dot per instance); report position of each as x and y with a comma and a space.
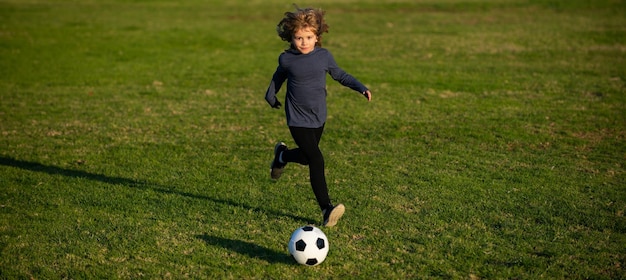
304, 66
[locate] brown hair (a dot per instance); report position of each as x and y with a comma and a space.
300, 19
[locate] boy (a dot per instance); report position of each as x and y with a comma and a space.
304, 65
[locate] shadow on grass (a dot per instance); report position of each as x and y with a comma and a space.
247, 248
54, 170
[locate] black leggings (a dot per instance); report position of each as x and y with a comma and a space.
308, 153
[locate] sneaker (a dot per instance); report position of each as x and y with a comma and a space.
332, 214
277, 167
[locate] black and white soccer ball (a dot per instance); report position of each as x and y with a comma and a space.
308, 245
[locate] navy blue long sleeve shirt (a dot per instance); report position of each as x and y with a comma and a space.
305, 100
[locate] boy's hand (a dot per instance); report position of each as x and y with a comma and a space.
277, 105
368, 95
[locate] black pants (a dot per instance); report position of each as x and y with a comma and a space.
309, 153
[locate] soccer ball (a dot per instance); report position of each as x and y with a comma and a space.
308, 245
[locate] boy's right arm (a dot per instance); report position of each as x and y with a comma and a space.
278, 79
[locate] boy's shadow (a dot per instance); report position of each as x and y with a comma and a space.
54, 170
247, 248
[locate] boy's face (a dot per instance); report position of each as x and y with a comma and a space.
304, 40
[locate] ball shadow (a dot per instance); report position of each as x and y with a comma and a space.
247, 248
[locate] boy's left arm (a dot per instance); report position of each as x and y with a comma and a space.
349, 81
346, 79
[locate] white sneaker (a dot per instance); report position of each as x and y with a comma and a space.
332, 215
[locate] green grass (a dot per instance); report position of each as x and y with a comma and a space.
135, 141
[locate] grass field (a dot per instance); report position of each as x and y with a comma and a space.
135, 141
